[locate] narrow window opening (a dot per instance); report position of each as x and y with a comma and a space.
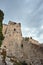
14, 29
21, 45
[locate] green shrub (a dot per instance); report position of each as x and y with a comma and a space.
26, 38
1, 26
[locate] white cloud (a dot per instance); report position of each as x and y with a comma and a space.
40, 38
28, 12
42, 27
29, 32
34, 33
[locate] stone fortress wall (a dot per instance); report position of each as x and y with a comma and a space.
26, 49
13, 30
13, 36
12, 33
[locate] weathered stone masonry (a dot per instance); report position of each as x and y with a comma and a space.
26, 49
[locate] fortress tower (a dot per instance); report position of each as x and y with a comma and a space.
12, 30
13, 36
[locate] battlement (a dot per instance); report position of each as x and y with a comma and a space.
14, 23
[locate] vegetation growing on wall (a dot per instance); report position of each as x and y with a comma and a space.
1, 26
26, 38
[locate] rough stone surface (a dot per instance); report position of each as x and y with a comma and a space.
13, 37
26, 49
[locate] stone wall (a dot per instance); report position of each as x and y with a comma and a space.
26, 49
33, 41
13, 37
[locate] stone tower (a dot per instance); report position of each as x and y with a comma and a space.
13, 37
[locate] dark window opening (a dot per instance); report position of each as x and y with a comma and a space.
21, 45
14, 23
30, 37
14, 29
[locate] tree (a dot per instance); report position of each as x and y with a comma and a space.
1, 26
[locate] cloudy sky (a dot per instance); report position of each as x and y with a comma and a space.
28, 12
